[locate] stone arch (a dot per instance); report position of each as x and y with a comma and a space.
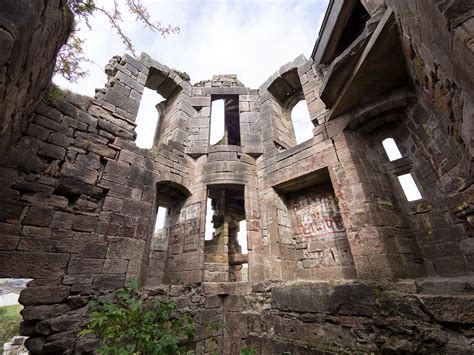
285, 89
171, 196
387, 110
170, 84
164, 80
174, 181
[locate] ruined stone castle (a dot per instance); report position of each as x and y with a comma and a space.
339, 259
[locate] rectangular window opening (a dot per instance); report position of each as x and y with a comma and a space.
209, 226
159, 240
391, 149
225, 122
409, 187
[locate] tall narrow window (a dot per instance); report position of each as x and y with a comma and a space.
159, 239
242, 240
160, 218
217, 122
209, 225
242, 236
409, 187
147, 118
301, 122
391, 149
411, 191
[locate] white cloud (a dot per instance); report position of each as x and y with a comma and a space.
249, 38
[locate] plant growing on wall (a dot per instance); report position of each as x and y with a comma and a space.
128, 325
71, 55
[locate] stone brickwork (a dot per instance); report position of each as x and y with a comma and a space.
79, 200
30, 37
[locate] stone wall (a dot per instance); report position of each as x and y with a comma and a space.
438, 135
78, 202
330, 317
78, 198
32, 33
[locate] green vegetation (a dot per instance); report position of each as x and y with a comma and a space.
248, 351
128, 325
55, 93
10, 319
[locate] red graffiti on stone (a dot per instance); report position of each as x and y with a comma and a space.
317, 215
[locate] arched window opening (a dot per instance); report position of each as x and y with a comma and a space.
147, 118
391, 149
217, 122
302, 124
170, 199
409, 187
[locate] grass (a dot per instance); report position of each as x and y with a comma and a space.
10, 319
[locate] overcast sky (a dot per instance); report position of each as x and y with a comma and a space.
249, 38
252, 39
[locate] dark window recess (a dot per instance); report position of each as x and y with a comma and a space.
231, 119
354, 27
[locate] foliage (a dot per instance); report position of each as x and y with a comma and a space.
70, 58
248, 351
71, 55
55, 93
127, 325
10, 319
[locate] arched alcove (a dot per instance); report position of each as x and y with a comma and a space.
170, 198
291, 118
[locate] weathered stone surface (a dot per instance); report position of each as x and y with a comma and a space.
85, 266
38, 216
57, 324
32, 265
109, 282
451, 309
27, 82
42, 312
351, 299
84, 223
43, 295
115, 266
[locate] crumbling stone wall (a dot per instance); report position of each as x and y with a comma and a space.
78, 198
335, 316
439, 130
32, 33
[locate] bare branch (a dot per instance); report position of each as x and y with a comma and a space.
114, 19
71, 55
142, 15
